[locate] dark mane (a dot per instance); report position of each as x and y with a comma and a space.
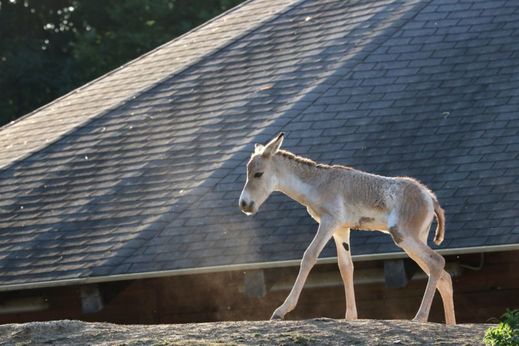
306, 161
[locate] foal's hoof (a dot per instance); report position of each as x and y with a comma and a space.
420, 319
276, 317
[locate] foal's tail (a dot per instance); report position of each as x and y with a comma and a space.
440, 221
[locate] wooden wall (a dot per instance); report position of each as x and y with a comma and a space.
480, 295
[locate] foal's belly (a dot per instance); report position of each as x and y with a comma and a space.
369, 220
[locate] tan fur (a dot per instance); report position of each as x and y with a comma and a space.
307, 161
440, 227
341, 198
395, 234
413, 204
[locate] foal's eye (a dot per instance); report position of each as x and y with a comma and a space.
258, 175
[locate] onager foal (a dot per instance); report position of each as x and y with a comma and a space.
340, 198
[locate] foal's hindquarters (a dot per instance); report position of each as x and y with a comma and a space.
409, 224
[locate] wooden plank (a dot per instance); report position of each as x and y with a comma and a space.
395, 275
254, 283
91, 299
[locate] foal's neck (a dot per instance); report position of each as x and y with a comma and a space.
297, 180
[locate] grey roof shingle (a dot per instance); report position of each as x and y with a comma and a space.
146, 175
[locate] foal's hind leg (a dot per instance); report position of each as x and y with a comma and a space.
431, 262
444, 285
446, 292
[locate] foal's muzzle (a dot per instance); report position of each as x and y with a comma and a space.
247, 207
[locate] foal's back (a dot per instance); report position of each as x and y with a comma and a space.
407, 199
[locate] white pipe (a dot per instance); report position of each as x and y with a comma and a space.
240, 267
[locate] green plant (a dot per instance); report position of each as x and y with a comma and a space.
506, 333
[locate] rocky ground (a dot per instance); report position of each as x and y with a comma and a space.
309, 332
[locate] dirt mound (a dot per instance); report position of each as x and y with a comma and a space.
309, 332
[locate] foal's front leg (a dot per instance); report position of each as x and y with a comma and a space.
342, 242
324, 233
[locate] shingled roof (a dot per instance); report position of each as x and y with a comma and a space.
139, 172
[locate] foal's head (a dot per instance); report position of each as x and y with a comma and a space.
261, 176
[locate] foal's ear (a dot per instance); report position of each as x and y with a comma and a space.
258, 148
273, 146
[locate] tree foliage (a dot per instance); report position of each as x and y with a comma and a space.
50, 47
506, 333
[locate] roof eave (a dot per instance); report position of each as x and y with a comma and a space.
240, 267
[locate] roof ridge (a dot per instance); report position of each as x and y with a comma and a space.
111, 72
103, 102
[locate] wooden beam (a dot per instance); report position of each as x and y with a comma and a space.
395, 275
91, 299
318, 279
254, 283
24, 304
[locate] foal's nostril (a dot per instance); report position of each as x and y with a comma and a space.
247, 207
